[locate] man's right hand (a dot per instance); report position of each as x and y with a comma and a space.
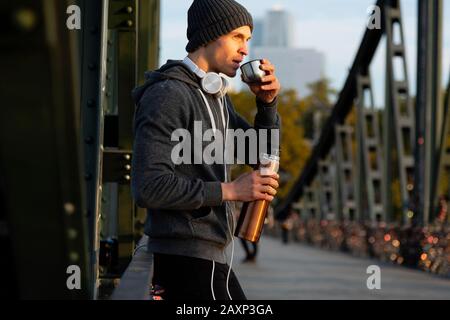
250, 187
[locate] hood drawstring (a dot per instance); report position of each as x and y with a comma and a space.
225, 121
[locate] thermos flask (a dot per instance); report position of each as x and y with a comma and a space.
253, 214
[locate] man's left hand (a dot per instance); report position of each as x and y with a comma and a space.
268, 89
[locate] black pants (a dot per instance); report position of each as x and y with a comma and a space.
187, 278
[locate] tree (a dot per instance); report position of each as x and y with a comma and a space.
317, 100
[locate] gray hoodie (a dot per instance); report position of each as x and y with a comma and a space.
185, 212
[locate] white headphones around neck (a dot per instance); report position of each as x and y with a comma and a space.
211, 82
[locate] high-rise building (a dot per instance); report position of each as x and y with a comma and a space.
257, 35
274, 38
278, 29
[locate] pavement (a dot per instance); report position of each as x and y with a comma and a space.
297, 271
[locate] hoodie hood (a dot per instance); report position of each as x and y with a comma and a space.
173, 69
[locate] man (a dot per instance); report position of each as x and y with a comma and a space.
188, 220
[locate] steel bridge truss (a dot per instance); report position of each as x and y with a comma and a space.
397, 148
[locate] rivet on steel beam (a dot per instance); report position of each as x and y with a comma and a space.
128, 167
129, 9
129, 23
72, 234
127, 157
26, 19
127, 177
73, 256
69, 208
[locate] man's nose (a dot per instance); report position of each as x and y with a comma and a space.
244, 50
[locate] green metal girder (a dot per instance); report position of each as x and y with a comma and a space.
40, 152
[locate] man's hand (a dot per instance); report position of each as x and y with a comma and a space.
250, 187
270, 86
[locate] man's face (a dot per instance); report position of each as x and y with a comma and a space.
226, 53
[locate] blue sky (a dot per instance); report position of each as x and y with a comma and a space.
334, 27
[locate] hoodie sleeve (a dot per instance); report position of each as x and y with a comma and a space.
154, 183
266, 118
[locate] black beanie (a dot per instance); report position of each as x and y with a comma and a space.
211, 19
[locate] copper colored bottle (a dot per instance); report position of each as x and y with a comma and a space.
253, 214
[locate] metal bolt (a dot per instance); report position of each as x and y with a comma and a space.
127, 157
127, 177
25, 19
127, 167
69, 208
72, 234
129, 9
73, 256
129, 23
